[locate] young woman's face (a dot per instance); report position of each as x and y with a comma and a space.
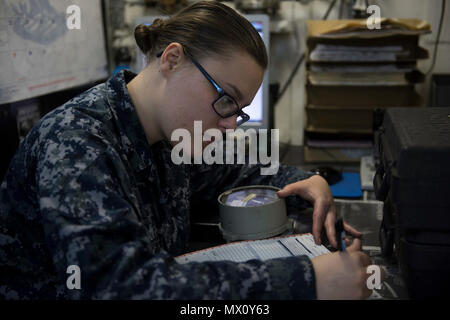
190, 95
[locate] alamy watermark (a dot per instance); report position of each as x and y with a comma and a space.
374, 280
374, 21
73, 17
213, 153
74, 280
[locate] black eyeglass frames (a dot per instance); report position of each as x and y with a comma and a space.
224, 105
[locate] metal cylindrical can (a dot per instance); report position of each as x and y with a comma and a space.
258, 221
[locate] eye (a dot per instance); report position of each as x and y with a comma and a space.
228, 101
227, 105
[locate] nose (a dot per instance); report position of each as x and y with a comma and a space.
228, 123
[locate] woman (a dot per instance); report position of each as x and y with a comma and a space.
93, 185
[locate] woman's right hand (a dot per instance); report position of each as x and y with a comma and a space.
343, 274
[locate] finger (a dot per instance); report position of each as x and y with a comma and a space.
288, 190
352, 230
319, 215
356, 245
330, 226
348, 242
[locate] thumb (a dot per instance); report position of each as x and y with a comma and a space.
356, 245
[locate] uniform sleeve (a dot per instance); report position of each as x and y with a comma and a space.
91, 221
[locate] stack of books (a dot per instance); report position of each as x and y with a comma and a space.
352, 71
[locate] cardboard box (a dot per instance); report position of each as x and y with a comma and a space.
335, 155
365, 78
363, 96
357, 28
325, 118
405, 49
332, 119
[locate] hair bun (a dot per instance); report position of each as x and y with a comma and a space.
145, 37
158, 23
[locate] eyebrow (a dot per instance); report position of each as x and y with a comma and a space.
237, 92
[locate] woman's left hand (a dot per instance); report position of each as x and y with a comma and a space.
316, 190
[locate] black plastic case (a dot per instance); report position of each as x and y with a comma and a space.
413, 180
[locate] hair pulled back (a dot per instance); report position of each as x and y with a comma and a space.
203, 28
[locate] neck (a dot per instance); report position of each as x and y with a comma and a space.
144, 96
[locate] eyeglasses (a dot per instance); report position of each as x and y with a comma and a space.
224, 105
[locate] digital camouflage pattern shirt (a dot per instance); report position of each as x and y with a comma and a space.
86, 189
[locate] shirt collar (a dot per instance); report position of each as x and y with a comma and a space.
132, 133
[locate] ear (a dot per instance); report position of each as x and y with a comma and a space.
172, 58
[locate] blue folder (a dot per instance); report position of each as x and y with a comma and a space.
348, 187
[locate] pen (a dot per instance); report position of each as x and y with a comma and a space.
340, 234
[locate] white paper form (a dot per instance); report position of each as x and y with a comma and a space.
288, 246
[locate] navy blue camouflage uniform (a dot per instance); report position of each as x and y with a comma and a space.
85, 188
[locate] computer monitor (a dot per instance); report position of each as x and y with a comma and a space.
259, 108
